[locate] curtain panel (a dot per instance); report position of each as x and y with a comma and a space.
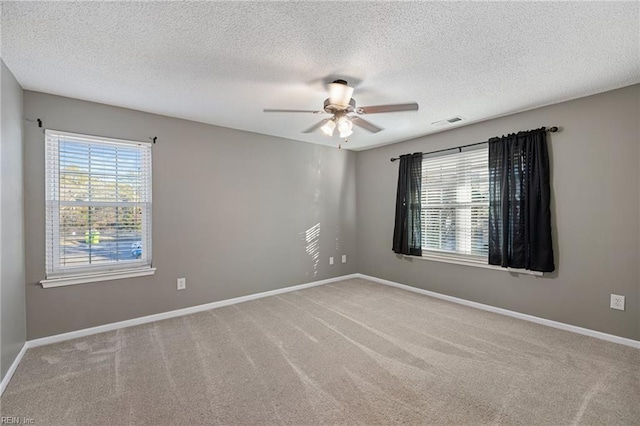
519, 202
407, 233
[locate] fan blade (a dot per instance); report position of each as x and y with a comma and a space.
367, 125
293, 110
387, 108
316, 126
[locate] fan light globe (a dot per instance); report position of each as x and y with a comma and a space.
328, 127
345, 127
340, 93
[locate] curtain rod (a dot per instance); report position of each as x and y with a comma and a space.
153, 139
550, 129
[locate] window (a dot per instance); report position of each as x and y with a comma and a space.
98, 206
455, 205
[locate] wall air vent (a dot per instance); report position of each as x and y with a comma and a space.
447, 121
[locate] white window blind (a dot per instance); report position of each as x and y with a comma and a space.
455, 204
98, 204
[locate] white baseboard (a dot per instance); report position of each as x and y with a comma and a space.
177, 313
12, 369
550, 323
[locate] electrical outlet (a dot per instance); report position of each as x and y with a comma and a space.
331, 260
182, 283
617, 302
344, 258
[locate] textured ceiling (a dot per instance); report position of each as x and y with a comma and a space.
223, 62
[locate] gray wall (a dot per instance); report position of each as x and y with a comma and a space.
231, 210
230, 213
12, 294
595, 162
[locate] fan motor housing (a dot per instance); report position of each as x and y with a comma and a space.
333, 109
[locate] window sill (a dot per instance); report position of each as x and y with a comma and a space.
467, 262
91, 278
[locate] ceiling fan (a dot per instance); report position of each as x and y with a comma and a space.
345, 113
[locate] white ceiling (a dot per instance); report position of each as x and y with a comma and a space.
223, 62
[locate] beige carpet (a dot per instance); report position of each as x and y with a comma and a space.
353, 352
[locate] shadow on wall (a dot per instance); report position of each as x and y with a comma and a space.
312, 239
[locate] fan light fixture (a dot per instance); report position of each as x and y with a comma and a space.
328, 127
340, 93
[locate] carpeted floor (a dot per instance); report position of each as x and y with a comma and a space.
353, 352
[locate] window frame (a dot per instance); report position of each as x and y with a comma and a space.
57, 275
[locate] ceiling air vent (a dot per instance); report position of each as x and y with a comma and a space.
447, 121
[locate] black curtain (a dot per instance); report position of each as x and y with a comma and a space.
407, 234
519, 197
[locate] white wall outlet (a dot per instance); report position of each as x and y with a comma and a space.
182, 283
344, 258
617, 302
331, 260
